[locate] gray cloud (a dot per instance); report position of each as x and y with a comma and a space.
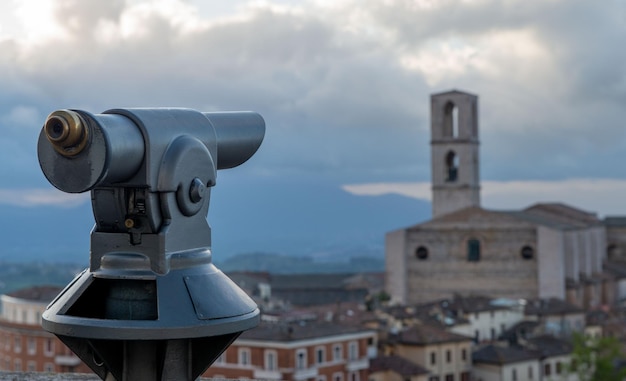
344, 89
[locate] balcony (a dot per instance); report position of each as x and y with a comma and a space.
360, 364
303, 374
263, 374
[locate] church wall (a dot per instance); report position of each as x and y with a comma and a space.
551, 260
500, 272
395, 266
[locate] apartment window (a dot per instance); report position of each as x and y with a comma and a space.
338, 376
31, 345
270, 360
514, 374
448, 356
530, 372
464, 354
17, 365
353, 350
337, 352
17, 344
449, 377
301, 362
320, 355
48, 348
31, 366
354, 376
547, 370
433, 358
558, 367
433, 378
465, 376
321, 378
244, 356
493, 333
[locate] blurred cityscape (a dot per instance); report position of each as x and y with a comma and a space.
469, 295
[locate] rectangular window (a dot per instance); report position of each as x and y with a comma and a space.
17, 344
338, 376
433, 358
31, 345
48, 348
320, 355
270, 360
465, 376
353, 350
449, 377
32, 366
448, 356
17, 365
547, 370
558, 367
473, 250
48, 367
244, 356
514, 374
530, 372
301, 361
464, 354
337, 353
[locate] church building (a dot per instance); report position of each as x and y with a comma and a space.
547, 250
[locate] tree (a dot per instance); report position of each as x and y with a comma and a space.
597, 359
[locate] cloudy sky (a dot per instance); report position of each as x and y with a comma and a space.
343, 86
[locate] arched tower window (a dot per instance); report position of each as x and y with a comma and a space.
473, 250
452, 166
450, 120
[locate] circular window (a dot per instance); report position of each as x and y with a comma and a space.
528, 252
421, 253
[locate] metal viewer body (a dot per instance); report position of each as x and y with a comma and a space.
151, 305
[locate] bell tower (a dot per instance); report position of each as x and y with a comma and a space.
454, 151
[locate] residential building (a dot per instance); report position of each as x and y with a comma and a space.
396, 368
298, 351
500, 363
446, 355
24, 345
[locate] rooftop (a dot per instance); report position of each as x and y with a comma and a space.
44, 294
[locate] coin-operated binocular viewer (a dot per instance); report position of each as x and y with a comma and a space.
151, 305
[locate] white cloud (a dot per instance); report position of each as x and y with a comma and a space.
602, 196
41, 197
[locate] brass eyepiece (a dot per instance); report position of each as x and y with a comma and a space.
66, 132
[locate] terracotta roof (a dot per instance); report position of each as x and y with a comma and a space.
423, 334
396, 364
563, 214
474, 217
498, 355
44, 294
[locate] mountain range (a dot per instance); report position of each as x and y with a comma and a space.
304, 219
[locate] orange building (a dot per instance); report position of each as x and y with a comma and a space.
295, 352
24, 345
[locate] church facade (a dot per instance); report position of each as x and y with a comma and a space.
546, 250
